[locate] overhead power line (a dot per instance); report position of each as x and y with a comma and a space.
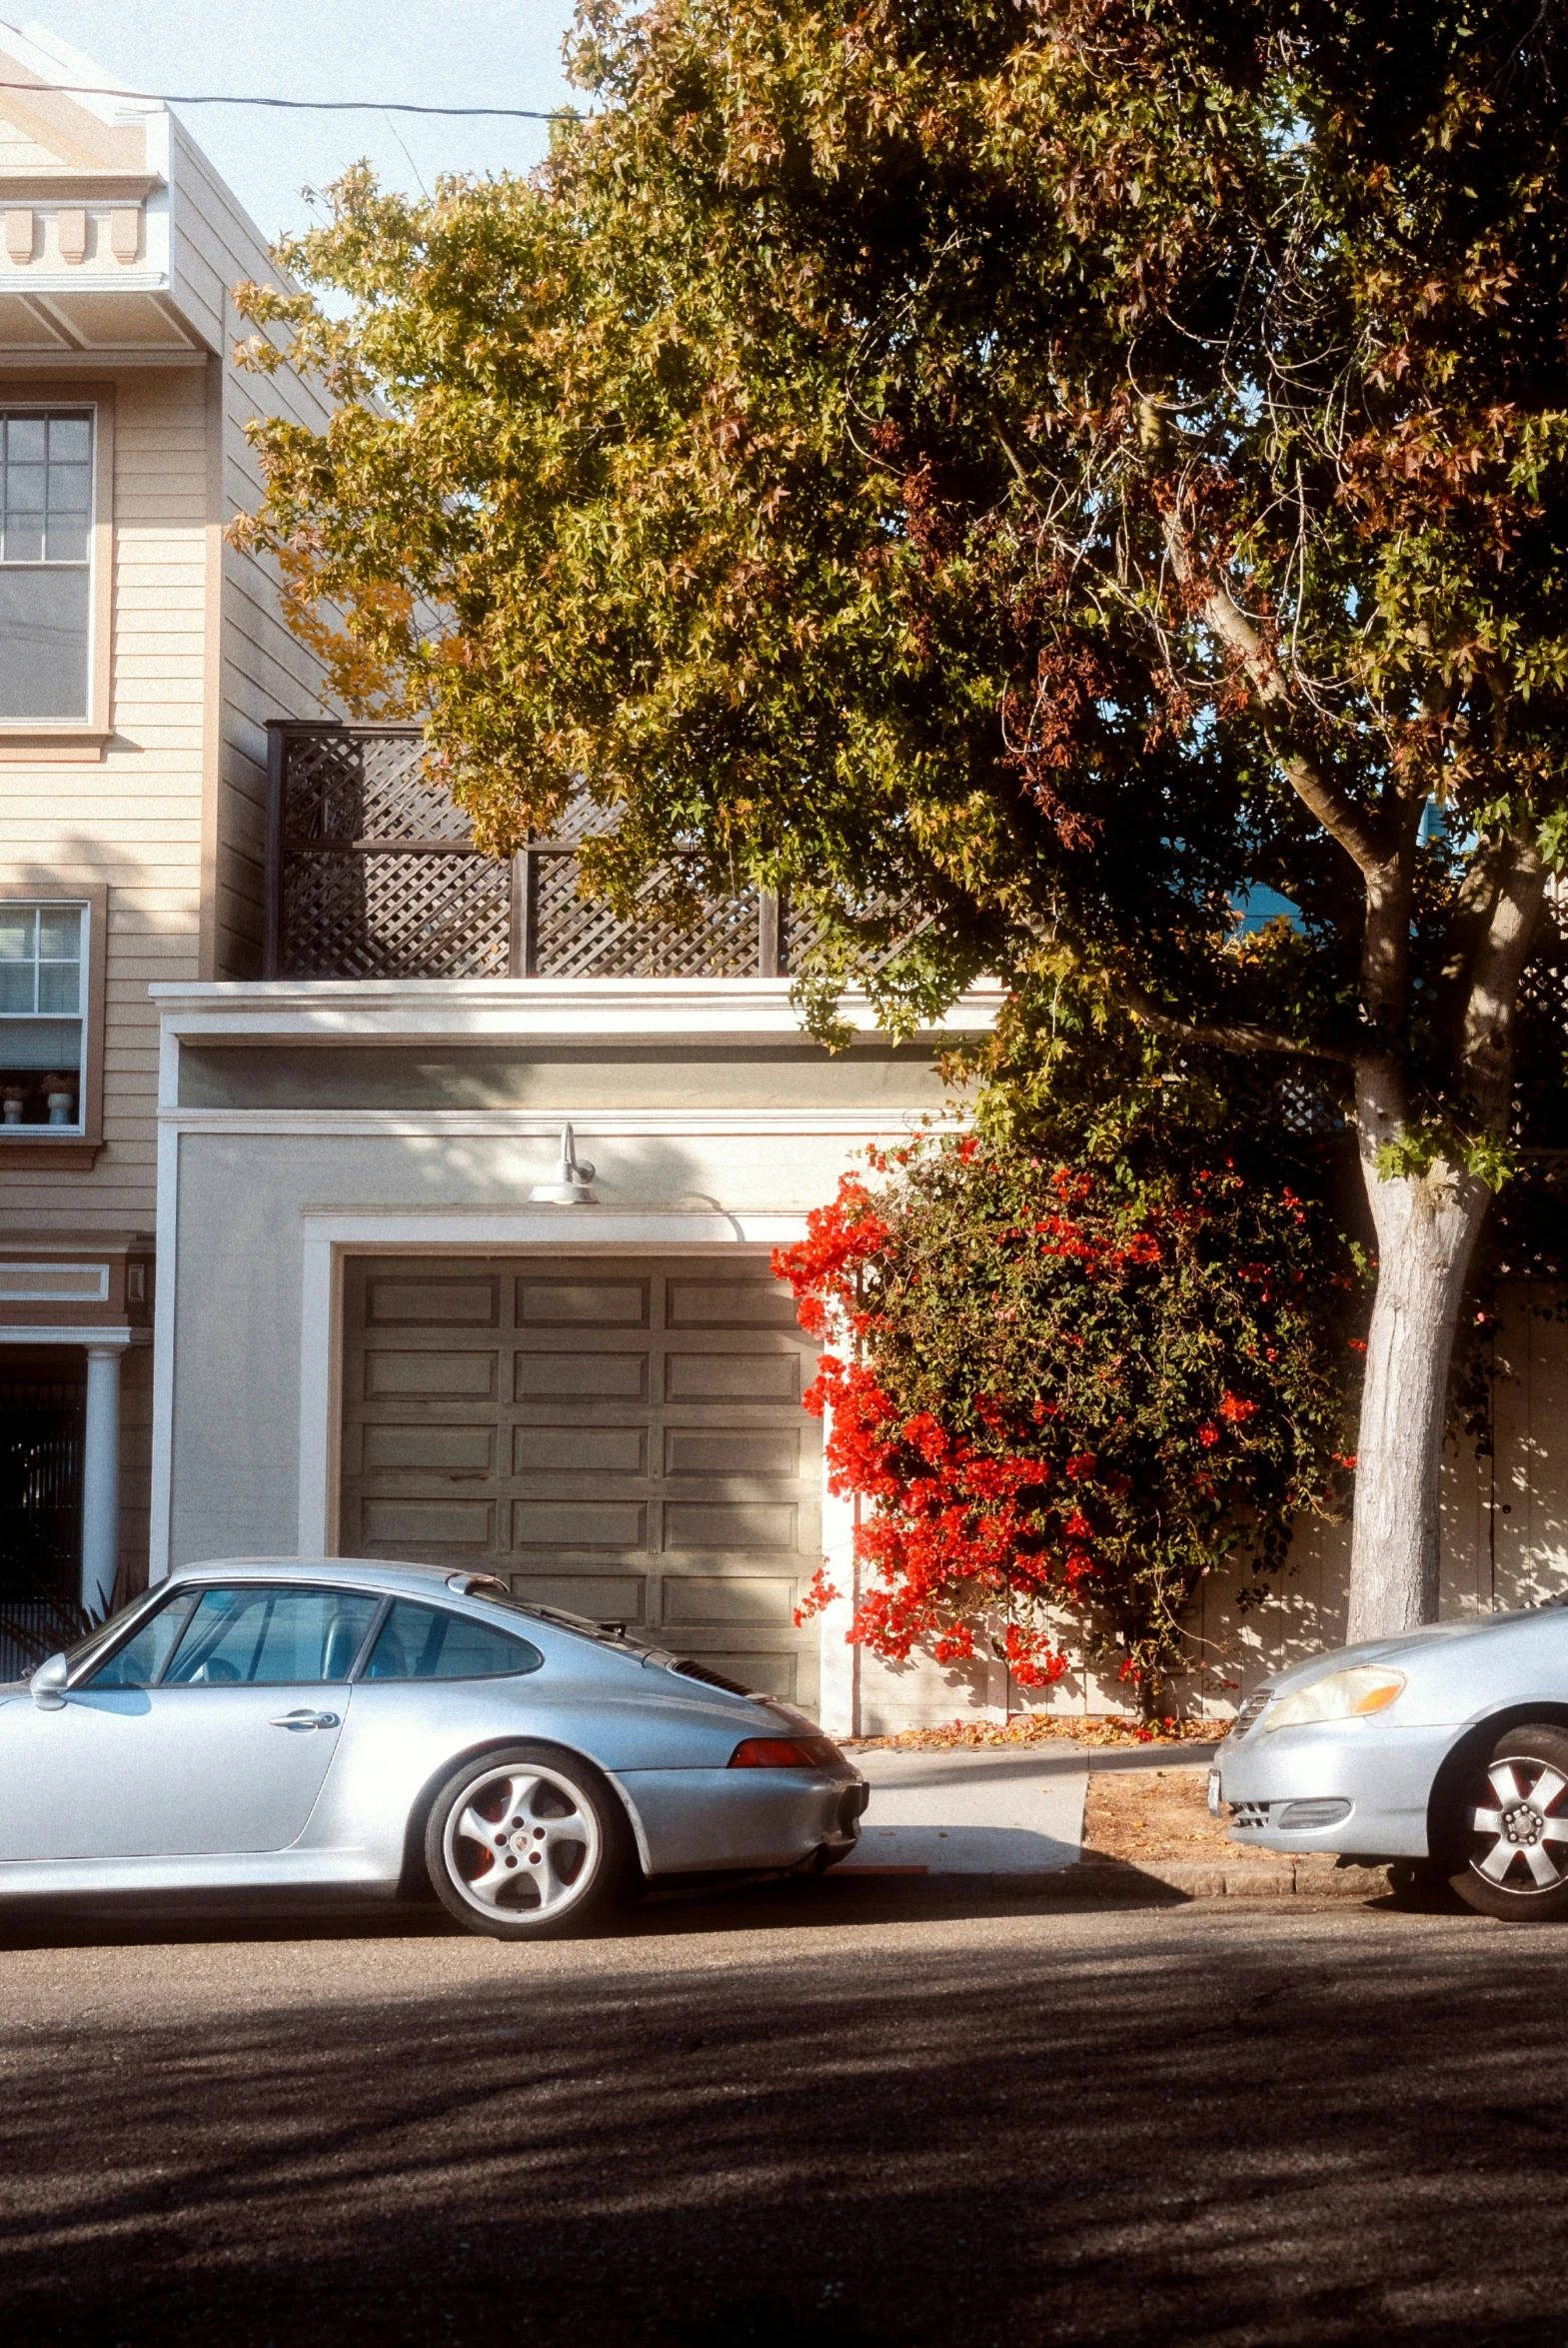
293, 105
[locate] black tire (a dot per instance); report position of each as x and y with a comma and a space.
559, 1854
1507, 1834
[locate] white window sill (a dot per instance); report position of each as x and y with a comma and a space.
42, 741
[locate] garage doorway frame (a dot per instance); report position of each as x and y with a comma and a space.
332, 1236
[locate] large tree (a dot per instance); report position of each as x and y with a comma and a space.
1022, 476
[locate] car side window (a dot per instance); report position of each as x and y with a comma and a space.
426, 1642
275, 1637
145, 1653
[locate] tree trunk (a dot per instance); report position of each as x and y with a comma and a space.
1426, 1230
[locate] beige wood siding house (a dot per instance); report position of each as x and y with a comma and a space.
140, 656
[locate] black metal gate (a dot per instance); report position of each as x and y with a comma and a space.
41, 1430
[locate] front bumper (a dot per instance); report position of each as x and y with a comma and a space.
1357, 1786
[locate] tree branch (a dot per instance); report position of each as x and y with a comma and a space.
1338, 815
1506, 934
1223, 1035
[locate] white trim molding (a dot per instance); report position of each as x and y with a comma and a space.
80, 1332
868, 1122
29, 1281
469, 1009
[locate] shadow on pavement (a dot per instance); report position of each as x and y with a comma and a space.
781, 1904
737, 2126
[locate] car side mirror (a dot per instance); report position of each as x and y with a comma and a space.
47, 1684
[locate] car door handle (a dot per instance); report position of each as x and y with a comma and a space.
304, 1720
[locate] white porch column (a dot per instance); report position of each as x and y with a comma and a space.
101, 1478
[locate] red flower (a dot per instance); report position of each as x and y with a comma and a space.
819, 1593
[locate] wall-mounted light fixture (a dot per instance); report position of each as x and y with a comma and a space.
572, 1175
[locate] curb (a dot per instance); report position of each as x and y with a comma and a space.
1307, 1878
1121, 1883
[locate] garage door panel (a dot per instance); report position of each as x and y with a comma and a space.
603, 1597
452, 1449
729, 1305
730, 1451
578, 1524
716, 1378
728, 1524
429, 1523
580, 1450
549, 1303
395, 1304
770, 1671
709, 1600
439, 1375
593, 1376
623, 1440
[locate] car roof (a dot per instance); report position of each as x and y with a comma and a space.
380, 1572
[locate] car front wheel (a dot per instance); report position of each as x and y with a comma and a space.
528, 1843
1510, 1842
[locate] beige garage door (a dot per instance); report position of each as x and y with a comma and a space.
624, 1438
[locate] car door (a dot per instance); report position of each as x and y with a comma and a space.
208, 1732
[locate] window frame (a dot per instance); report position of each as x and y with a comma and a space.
193, 1591
34, 741
37, 1147
284, 1587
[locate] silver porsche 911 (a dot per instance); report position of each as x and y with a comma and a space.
366, 1729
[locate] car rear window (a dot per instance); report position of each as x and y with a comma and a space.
427, 1642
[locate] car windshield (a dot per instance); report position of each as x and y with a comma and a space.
103, 1632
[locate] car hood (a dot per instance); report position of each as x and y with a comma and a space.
1392, 1650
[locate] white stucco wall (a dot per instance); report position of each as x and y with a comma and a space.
257, 1206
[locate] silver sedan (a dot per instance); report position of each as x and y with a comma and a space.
1447, 1747
374, 1729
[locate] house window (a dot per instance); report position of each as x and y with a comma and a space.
46, 524
43, 1025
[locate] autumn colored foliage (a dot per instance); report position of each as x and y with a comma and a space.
1062, 1399
1019, 478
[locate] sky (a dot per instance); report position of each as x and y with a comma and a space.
430, 52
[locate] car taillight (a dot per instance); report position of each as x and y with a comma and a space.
786, 1752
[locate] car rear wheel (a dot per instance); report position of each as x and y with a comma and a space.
1510, 1839
528, 1843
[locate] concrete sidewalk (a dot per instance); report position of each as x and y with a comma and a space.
1015, 1818
995, 1811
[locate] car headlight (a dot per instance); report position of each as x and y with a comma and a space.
1343, 1695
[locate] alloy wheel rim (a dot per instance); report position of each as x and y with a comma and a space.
520, 1843
1520, 1827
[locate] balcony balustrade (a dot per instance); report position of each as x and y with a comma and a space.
371, 873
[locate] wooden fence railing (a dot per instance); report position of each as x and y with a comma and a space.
372, 874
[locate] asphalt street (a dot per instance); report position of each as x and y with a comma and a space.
796, 2118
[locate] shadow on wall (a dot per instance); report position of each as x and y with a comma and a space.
240, 1289
1504, 1537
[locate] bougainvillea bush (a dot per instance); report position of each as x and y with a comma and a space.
1062, 1399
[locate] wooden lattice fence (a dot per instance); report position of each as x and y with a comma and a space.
372, 874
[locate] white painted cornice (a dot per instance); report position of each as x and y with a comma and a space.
477, 1009
526, 1125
